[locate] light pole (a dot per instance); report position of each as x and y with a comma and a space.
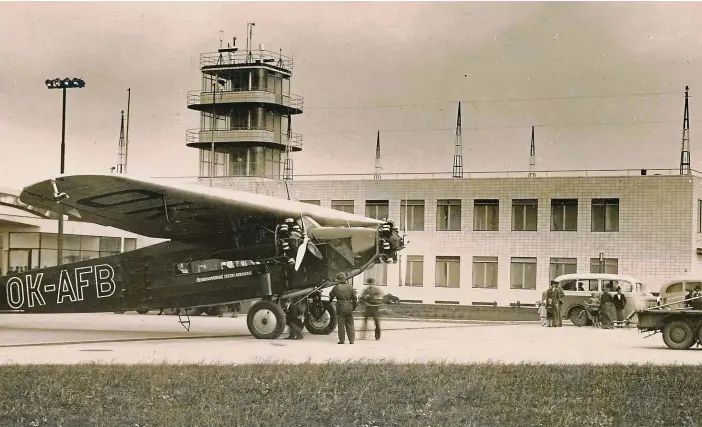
63, 84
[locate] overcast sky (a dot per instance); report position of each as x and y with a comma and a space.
425, 56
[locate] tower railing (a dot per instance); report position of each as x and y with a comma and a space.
242, 58
244, 134
197, 97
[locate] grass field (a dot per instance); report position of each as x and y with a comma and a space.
351, 394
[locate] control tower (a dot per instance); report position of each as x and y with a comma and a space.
245, 109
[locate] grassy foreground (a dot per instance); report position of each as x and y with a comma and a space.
350, 394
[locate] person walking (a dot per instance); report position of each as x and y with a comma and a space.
371, 298
347, 300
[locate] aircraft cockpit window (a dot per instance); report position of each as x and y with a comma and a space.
182, 268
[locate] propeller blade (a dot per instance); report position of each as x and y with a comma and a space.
301, 252
315, 251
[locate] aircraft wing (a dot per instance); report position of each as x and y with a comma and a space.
174, 211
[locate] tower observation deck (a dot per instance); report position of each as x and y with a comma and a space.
245, 109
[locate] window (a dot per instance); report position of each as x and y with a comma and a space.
377, 209
525, 214
448, 271
699, 216
560, 266
605, 214
580, 285
379, 272
564, 214
342, 205
485, 272
414, 273
312, 202
129, 244
414, 210
523, 273
609, 265
448, 215
486, 215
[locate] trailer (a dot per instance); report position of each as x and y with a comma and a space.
681, 328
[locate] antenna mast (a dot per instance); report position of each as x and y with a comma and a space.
685, 149
532, 156
378, 168
458, 148
122, 155
126, 140
249, 40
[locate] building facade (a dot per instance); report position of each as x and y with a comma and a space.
472, 239
29, 239
501, 240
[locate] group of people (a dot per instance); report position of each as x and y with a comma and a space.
693, 299
602, 308
347, 302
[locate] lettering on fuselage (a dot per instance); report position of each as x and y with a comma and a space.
73, 286
224, 276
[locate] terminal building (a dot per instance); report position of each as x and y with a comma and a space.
472, 238
29, 239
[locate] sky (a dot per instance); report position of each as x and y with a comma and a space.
602, 82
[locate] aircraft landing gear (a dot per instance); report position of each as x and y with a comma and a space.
321, 319
266, 320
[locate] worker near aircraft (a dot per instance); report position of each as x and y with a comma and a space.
294, 319
347, 300
371, 298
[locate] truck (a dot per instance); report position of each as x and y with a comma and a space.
681, 327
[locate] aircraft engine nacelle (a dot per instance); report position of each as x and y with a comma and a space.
390, 242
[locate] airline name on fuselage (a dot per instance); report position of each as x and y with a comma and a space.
30, 292
224, 276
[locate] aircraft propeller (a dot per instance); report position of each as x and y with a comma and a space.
304, 246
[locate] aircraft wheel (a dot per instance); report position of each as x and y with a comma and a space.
326, 324
678, 335
266, 320
142, 311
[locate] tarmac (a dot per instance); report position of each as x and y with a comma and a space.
131, 338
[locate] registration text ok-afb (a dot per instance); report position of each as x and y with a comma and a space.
74, 285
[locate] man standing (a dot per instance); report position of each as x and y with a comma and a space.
619, 304
347, 300
558, 295
547, 299
371, 297
606, 310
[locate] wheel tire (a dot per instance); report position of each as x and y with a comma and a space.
678, 335
142, 311
322, 327
577, 319
266, 320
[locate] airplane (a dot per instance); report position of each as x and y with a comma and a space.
252, 246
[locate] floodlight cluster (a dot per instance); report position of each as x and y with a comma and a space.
64, 83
